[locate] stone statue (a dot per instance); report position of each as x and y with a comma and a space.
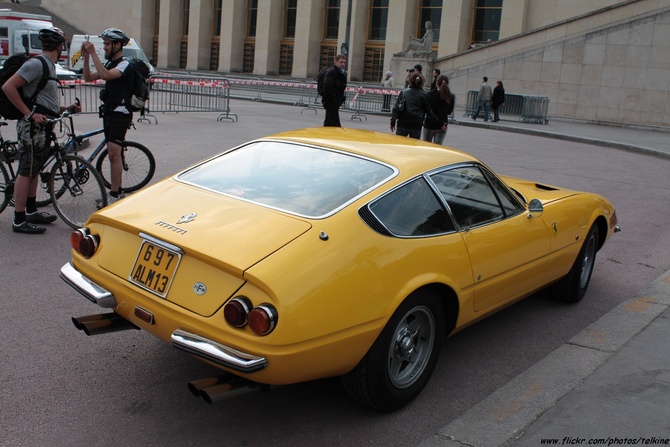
419, 47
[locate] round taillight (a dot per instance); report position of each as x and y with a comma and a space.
263, 319
83, 242
236, 311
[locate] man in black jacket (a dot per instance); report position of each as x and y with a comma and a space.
334, 85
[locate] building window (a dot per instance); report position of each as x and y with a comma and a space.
185, 5
373, 64
215, 46
216, 15
331, 19
157, 16
486, 21
183, 47
331, 26
379, 10
290, 13
250, 41
252, 11
373, 61
430, 11
286, 46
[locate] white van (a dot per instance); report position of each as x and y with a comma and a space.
76, 61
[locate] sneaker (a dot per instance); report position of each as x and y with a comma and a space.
40, 217
110, 199
28, 228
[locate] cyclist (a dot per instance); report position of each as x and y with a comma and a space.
116, 116
33, 131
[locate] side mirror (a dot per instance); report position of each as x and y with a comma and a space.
535, 208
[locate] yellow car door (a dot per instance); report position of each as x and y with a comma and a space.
508, 250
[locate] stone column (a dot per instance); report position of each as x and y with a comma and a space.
308, 33
170, 34
456, 27
233, 31
199, 34
268, 36
357, 36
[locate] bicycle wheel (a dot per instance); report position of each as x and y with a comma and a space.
139, 166
6, 188
76, 189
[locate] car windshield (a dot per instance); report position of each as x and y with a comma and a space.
304, 180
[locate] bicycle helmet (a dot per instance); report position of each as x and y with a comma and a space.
52, 37
115, 35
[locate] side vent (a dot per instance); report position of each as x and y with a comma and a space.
372, 221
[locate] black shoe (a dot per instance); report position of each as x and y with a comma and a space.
40, 217
28, 228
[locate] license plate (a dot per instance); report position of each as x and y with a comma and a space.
154, 268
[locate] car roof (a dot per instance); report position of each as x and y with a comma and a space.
402, 152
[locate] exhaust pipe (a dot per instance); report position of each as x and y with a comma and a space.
196, 386
102, 323
225, 386
228, 390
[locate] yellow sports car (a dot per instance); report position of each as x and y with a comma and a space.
330, 252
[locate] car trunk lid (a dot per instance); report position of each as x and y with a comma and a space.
210, 239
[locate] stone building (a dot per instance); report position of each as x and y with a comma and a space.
596, 60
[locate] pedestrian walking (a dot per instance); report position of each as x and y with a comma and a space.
497, 100
483, 99
334, 86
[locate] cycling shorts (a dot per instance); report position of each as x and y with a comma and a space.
116, 125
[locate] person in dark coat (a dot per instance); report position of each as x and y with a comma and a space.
497, 100
334, 85
414, 110
442, 103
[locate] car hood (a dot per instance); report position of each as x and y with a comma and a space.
220, 238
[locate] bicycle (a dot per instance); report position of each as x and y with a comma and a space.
137, 160
75, 187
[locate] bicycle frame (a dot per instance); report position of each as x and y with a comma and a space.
74, 141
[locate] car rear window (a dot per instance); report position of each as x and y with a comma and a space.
299, 179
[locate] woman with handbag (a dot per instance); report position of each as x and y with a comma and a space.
411, 108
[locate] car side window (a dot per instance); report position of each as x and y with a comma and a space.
412, 210
469, 195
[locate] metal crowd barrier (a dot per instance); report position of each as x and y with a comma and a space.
193, 92
168, 94
529, 109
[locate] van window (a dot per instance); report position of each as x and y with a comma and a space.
132, 53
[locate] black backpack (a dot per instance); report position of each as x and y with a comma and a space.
9, 68
320, 79
136, 75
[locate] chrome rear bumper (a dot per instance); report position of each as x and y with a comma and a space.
193, 344
217, 353
86, 287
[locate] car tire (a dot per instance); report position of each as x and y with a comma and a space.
402, 359
572, 287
